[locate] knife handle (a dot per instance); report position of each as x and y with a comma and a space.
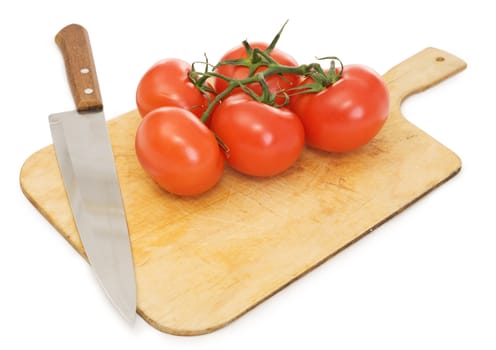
74, 43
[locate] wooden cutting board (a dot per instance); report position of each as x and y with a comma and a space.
202, 262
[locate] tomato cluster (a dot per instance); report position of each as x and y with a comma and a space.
256, 109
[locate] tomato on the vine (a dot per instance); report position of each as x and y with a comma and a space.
178, 151
262, 140
347, 114
167, 84
335, 110
276, 83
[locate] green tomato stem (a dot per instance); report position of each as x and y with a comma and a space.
273, 44
257, 58
257, 78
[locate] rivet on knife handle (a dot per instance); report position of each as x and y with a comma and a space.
74, 43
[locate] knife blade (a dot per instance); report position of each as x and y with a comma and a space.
86, 163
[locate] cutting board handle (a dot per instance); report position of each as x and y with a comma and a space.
74, 43
419, 72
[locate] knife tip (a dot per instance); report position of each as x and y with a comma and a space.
127, 312
130, 317
123, 298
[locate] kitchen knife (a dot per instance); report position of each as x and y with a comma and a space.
86, 163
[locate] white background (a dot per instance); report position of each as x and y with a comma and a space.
424, 280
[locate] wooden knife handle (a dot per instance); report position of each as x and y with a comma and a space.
74, 43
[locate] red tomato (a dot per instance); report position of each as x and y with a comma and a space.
276, 82
178, 151
166, 84
347, 114
262, 140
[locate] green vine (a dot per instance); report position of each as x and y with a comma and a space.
257, 58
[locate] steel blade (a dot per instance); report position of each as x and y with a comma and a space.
86, 163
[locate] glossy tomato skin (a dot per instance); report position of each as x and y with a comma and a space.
262, 140
166, 84
178, 151
276, 83
347, 114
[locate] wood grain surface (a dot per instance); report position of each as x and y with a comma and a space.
202, 262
